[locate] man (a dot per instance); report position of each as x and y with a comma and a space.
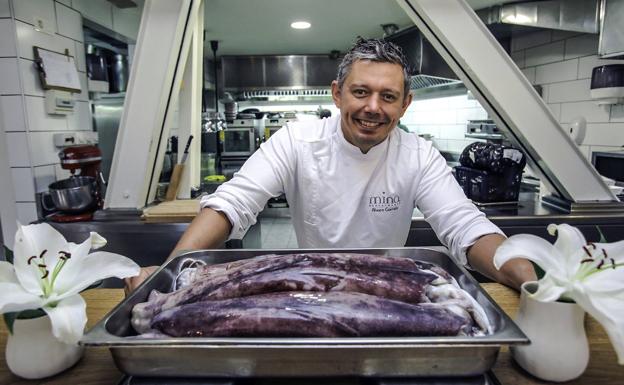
353, 180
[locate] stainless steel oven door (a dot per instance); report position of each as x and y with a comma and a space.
238, 141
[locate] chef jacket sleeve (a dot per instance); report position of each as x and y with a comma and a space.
454, 218
263, 176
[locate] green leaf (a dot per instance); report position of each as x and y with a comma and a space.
8, 254
538, 271
602, 237
9, 319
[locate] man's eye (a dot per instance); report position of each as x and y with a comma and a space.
359, 92
389, 98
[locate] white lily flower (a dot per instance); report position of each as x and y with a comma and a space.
48, 273
590, 274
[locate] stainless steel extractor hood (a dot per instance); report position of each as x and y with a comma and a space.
308, 76
431, 76
605, 17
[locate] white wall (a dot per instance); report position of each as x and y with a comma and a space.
444, 119
562, 63
26, 128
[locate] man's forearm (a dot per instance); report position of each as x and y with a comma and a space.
513, 273
208, 230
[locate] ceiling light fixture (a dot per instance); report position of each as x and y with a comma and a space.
300, 25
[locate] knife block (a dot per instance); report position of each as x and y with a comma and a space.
174, 183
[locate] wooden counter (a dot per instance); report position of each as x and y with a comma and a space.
97, 367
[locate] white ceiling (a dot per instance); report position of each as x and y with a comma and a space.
262, 27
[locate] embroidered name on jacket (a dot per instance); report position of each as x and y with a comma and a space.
384, 202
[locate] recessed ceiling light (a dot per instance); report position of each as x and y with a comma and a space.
300, 25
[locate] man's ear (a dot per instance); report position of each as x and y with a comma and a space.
336, 93
406, 102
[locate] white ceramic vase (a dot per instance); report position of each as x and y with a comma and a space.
559, 350
33, 352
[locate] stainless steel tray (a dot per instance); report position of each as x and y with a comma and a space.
271, 357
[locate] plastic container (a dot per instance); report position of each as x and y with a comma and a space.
487, 187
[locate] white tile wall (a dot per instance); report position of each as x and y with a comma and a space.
126, 21
544, 54
61, 173
80, 120
587, 64
28, 10
100, 11
529, 40
43, 150
582, 45
555, 108
573, 91
44, 175
30, 78
12, 113
9, 79
17, 145
518, 58
69, 22
556, 72
26, 212
617, 113
529, 73
604, 134
561, 35
23, 185
7, 42
5, 8
28, 37
592, 112
80, 57
39, 119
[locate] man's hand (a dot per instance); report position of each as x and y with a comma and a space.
512, 274
133, 282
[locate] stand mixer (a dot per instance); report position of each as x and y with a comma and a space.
77, 197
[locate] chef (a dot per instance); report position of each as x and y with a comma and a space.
354, 179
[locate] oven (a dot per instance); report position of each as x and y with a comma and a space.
239, 138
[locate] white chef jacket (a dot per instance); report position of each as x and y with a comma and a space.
339, 197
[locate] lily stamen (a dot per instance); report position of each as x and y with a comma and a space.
42, 253
587, 260
45, 274
587, 251
600, 264
31, 258
612, 263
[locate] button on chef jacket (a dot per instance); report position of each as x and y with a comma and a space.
340, 197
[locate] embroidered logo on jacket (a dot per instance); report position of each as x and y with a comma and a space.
384, 202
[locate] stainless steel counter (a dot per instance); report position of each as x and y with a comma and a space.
531, 216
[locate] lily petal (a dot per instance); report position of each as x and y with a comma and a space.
533, 248
30, 241
97, 241
548, 290
607, 310
604, 281
613, 250
68, 319
14, 298
82, 272
7, 273
569, 239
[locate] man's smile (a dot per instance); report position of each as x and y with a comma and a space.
368, 124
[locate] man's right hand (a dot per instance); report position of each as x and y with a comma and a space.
133, 282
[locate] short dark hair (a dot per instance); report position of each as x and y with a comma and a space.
377, 50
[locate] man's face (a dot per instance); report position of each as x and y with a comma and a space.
371, 102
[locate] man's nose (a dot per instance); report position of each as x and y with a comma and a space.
372, 104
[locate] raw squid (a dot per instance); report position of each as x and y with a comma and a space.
313, 295
306, 314
390, 277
